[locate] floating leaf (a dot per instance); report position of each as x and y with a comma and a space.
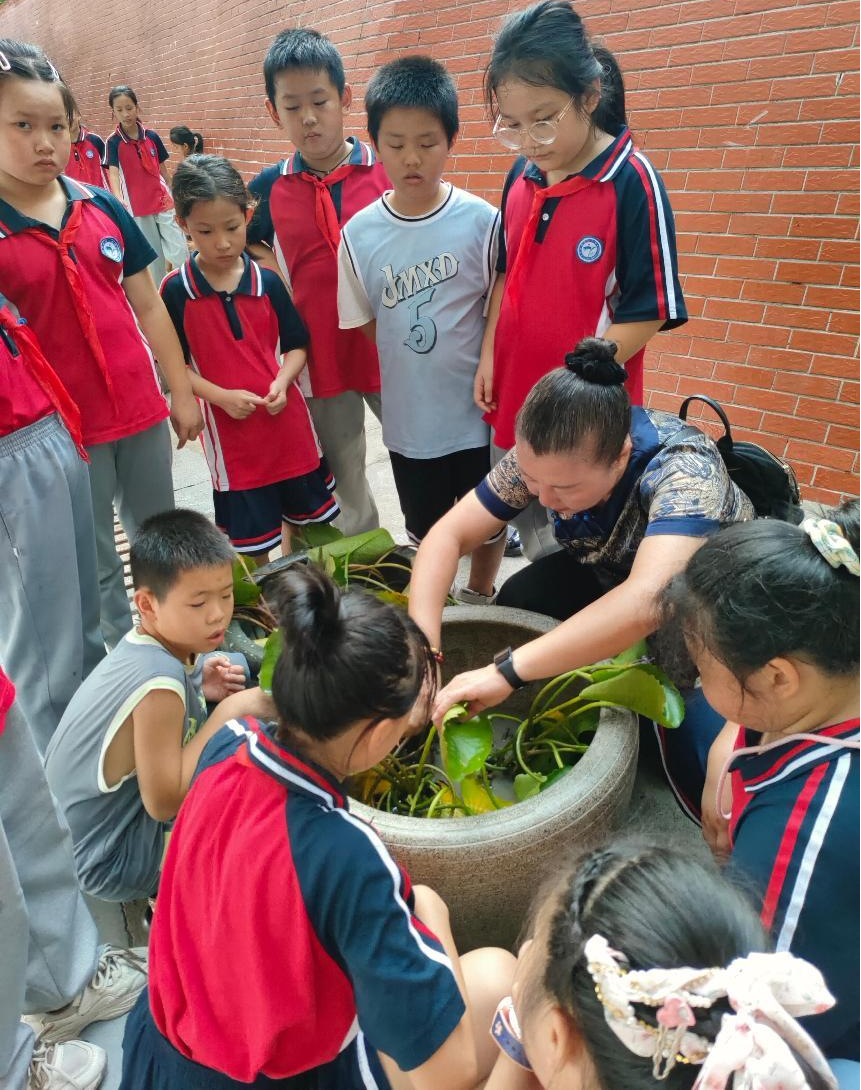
639, 651
553, 778
245, 593
527, 786
271, 653
466, 746
637, 689
365, 548
319, 533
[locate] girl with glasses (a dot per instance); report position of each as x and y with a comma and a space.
588, 245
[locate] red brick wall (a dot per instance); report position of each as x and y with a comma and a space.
748, 107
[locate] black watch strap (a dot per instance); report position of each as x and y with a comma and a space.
504, 663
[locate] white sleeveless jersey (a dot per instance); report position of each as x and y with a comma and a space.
425, 280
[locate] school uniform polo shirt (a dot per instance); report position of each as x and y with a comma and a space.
236, 340
300, 216
30, 389
86, 159
600, 251
284, 926
138, 160
68, 284
794, 833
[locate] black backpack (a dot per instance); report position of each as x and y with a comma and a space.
768, 481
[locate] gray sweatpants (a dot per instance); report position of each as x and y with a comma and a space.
48, 941
163, 233
534, 524
49, 588
135, 475
340, 425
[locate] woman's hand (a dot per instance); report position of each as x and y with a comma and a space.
478, 689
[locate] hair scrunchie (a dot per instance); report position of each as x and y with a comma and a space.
830, 543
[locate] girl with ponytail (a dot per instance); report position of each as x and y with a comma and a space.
288, 950
632, 494
588, 243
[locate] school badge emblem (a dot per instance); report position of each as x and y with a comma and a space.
89, 153
111, 249
589, 249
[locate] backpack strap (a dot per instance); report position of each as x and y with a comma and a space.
724, 444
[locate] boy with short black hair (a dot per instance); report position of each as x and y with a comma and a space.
123, 756
303, 202
415, 270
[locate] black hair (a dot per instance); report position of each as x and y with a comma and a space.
28, 61
547, 45
187, 138
173, 542
302, 48
760, 590
582, 403
661, 908
203, 178
346, 656
118, 91
412, 83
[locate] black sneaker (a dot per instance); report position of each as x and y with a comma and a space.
513, 545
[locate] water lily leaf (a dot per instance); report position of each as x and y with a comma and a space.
554, 777
477, 799
644, 689
455, 714
640, 650
365, 548
466, 746
245, 593
526, 786
448, 805
319, 533
271, 653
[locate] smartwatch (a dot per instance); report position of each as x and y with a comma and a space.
504, 663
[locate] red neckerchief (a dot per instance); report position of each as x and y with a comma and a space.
34, 360
142, 144
324, 208
516, 277
83, 310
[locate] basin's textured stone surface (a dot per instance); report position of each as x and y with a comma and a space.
487, 868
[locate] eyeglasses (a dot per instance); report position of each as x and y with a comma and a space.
539, 132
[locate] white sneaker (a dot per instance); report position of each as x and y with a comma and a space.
120, 977
474, 597
73, 1065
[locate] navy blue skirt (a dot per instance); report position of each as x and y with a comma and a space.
150, 1062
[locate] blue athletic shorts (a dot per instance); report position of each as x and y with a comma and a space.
150, 1062
252, 517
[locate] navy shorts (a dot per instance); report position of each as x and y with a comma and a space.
428, 488
150, 1062
252, 517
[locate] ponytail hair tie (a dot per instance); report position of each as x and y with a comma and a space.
831, 544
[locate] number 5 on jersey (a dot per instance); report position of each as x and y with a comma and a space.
422, 336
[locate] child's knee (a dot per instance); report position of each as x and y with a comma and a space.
489, 974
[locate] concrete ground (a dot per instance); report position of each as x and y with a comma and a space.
653, 809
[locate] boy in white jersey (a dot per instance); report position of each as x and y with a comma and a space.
414, 270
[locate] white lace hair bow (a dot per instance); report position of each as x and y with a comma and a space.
756, 1045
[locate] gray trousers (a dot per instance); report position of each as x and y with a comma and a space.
49, 589
48, 941
534, 524
340, 425
135, 475
163, 233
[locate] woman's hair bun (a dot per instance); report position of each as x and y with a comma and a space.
594, 360
308, 606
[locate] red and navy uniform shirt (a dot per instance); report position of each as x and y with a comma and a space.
794, 832
142, 186
236, 340
86, 160
602, 250
267, 863
300, 216
69, 285
30, 388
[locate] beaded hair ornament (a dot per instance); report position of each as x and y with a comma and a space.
756, 1046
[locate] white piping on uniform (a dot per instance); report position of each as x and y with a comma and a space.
666, 254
